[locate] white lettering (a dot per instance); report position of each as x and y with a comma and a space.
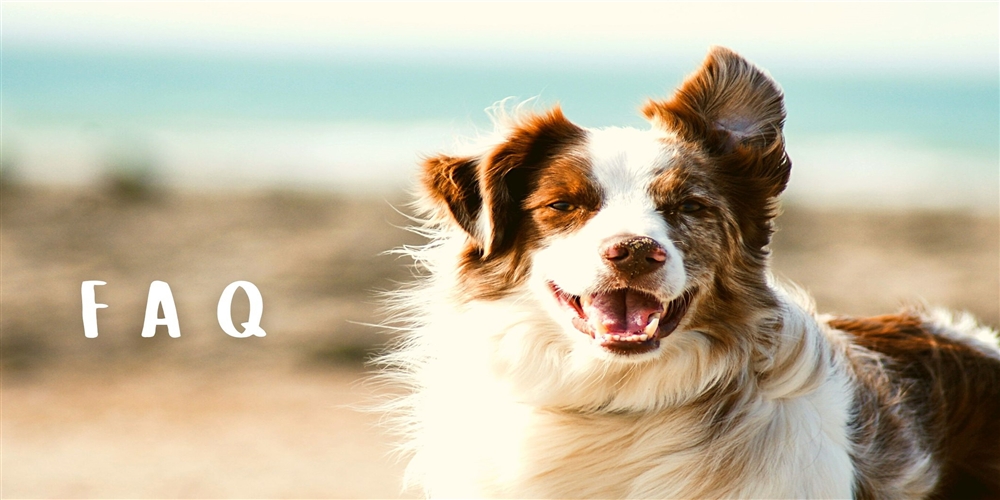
90, 308
252, 326
159, 295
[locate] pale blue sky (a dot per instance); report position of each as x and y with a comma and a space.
906, 36
350, 94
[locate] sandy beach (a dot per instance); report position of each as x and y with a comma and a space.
207, 415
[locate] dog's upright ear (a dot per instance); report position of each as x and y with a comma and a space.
735, 111
483, 194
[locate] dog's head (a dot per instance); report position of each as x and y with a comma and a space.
625, 235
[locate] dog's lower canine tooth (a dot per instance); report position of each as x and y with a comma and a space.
654, 323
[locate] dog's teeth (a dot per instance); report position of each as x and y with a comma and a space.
654, 323
616, 337
643, 337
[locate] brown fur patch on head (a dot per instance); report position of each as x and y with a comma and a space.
695, 197
509, 173
700, 233
564, 198
503, 186
733, 111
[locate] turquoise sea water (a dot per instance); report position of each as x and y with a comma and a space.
167, 105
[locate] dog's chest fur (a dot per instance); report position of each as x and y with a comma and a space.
489, 444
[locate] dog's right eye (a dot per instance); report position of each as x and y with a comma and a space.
563, 206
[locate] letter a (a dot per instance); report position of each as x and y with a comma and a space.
90, 308
159, 295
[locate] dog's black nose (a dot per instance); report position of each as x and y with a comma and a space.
634, 255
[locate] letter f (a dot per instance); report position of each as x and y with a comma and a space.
90, 308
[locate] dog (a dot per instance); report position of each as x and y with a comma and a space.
596, 318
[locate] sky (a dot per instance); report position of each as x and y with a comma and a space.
862, 36
342, 94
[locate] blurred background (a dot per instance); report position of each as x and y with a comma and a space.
201, 144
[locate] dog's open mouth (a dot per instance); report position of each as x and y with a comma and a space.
624, 321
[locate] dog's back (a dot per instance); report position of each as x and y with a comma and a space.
938, 376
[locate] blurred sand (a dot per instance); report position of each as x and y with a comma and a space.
167, 432
206, 415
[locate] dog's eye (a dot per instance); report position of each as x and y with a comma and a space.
689, 207
563, 206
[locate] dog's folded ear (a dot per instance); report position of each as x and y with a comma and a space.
732, 108
483, 194
452, 183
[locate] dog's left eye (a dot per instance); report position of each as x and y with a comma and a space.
689, 207
563, 206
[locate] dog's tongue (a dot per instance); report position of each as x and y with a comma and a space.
621, 311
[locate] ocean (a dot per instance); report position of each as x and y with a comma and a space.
362, 124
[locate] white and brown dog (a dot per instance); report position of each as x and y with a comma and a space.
598, 320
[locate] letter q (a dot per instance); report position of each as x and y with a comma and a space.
252, 327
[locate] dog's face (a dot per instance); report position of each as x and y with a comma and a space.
625, 235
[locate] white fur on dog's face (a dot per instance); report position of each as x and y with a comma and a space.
623, 164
